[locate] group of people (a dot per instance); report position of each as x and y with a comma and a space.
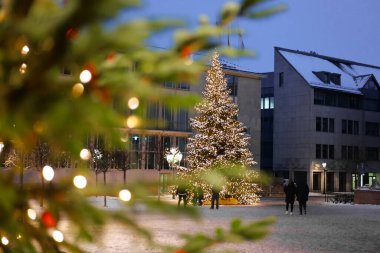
198, 196
301, 191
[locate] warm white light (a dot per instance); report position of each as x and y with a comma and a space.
85, 76
77, 90
32, 214
1, 146
132, 121
18, 237
80, 182
4, 240
133, 103
57, 236
25, 50
324, 165
85, 154
188, 62
125, 195
23, 68
48, 173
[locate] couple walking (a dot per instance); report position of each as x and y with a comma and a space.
291, 191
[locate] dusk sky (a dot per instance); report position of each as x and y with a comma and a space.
339, 28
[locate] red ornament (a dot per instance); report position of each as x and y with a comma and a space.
48, 219
180, 251
111, 56
186, 51
71, 33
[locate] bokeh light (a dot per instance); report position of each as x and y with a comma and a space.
77, 90
4, 240
125, 195
132, 121
57, 236
133, 103
32, 214
80, 182
85, 154
85, 76
48, 173
25, 50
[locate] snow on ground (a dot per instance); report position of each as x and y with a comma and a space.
327, 227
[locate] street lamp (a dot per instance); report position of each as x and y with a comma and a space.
324, 175
173, 156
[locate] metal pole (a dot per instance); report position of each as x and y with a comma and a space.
325, 186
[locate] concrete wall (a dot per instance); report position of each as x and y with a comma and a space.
248, 99
293, 122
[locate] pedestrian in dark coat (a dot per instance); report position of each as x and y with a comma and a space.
215, 197
200, 195
290, 195
182, 194
302, 196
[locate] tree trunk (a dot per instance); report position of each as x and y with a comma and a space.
105, 195
43, 189
124, 176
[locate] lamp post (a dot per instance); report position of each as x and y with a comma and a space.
324, 176
173, 156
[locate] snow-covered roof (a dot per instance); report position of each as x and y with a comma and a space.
353, 75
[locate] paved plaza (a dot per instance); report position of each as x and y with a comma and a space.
327, 227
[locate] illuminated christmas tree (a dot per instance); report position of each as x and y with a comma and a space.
220, 139
68, 70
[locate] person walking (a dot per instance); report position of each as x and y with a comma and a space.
290, 193
302, 196
200, 196
182, 195
215, 197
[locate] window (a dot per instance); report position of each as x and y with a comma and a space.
372, 128
350, 127
324, 151
267, 103
318, 124
344, 126
372, 154
331, 152
281, 79
350, 153
232, 84
271, 102
331, 125
356, 127
324, 124
172, 85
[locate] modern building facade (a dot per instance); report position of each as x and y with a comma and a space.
169, 127
326, 121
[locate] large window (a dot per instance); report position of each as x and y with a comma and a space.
330, 98
372, 153
172, 85
350, 152
372, 128
267, 103
324, 151
324, 124
350, 127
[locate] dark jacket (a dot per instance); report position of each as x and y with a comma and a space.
303, 192
181, 190
290, 192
